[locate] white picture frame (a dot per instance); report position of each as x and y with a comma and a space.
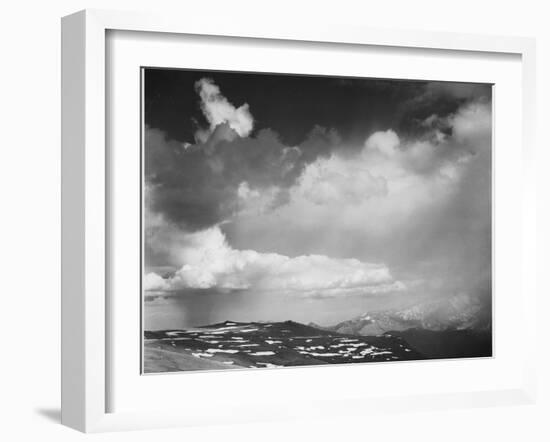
86, 314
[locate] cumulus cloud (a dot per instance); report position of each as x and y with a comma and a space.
472, 124
200, 185
386, 142
374, 191
218, 110
419, 204
336, 179
448, 141
154, 282
210, 262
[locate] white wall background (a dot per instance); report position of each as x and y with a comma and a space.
30, 220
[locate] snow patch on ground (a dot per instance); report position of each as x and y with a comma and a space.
221, 350
322, 354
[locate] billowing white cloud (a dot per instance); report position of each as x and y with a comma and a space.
210, 262
154, 282
372, 193
336, 179
471, 123
218, 110
422, 201
386, 142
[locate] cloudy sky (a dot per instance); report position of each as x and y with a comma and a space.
274, 197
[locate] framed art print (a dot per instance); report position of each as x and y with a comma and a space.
292, 222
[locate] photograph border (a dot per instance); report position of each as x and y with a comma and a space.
85, 198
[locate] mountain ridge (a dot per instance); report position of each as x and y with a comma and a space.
460, 312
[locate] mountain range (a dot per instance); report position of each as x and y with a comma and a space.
460, 312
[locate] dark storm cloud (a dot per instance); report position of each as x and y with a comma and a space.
292, 105
436, 99
464, 91
196, 185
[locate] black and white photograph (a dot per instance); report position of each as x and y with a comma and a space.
299, 220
